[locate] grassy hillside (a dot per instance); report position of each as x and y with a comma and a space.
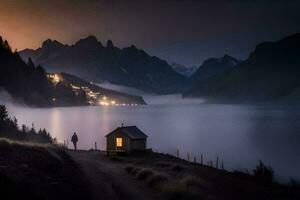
35, 171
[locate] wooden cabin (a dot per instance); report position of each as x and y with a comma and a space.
126, 139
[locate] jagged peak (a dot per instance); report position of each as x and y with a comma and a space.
109, 44
226, 56
225, 59
90, 40
133, 47
51, 43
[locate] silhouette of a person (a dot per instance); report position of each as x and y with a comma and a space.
74, 139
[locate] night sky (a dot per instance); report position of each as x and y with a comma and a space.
182, 31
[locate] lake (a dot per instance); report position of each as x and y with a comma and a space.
239, 135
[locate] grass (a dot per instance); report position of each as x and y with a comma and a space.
189, 187
132, 170
190, 181
143, 174
163, 164
39, 171
154, 179
177, 168
129, 169
135, 171
157, 180
178, 192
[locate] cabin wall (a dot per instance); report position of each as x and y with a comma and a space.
138, 144
110, 143
129, 145
112, 146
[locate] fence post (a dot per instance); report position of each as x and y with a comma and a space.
201, 159
177, 153
188, 157
222, 165
95, 146
217, 163
195, 160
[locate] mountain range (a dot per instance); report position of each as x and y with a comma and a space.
184, 70
214, 66
270, 74
32, 85
91, 60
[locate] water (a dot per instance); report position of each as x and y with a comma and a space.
238, 135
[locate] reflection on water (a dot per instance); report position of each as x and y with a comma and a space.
239, 135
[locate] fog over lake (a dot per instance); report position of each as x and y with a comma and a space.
239, 135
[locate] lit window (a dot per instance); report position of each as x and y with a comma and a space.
119, 142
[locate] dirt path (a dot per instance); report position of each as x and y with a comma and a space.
108, 178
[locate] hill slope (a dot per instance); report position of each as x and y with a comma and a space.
35, 171
96, 94
271, 73
89, 59
29, 83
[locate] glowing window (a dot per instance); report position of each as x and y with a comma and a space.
119, 142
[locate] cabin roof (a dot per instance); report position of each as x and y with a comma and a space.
131, 131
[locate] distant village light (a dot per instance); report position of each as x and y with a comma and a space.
56, 78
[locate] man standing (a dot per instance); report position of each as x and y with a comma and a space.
74, 139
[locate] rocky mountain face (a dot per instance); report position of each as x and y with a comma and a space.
271, 73
214, 66
183, 70
31, 85
91, 60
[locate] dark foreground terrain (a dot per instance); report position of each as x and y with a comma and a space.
159, 176
39, 172
31, 171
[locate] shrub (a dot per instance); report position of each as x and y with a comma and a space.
177, 168
189, 187
129, 169
135, 170
294, 183
157, 180
263, 173
179, 192
9, 128
114, 158
190, 181
144, 174
162, 164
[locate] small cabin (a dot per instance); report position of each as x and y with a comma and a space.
126, 139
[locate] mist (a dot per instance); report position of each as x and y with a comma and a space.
5, 97
150, 98
239, 135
